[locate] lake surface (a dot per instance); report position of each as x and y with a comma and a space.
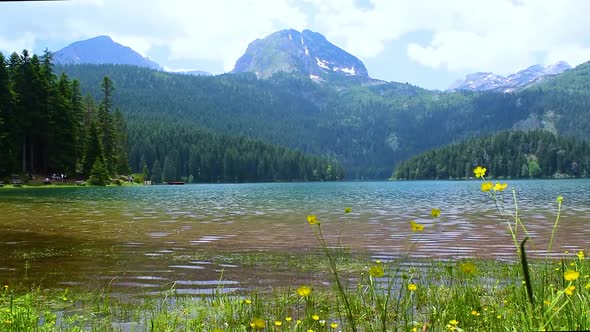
146, 238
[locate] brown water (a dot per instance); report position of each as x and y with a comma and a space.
146, 239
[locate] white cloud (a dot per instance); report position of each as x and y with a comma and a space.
206, 30
24, 41
466, 35
499, 35
573, 55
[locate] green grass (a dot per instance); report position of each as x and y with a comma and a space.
64, 185
491, 297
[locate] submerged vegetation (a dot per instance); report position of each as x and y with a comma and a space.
404, 294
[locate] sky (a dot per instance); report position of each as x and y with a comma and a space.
429, 43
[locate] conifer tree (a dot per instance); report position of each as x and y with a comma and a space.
105, 123
156, 172
94, 149
120, 145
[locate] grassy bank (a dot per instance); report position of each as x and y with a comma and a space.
384, 296
64, 185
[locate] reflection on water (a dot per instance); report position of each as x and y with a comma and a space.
143, 237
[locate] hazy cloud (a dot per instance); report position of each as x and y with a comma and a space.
463, 35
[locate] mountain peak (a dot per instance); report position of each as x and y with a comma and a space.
101, 38
520, 79
306, 53
101, 50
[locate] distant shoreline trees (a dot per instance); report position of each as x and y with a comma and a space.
509, 154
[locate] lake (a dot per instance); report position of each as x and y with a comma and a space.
146, 238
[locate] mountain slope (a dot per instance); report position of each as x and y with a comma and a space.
520, 79
306, 53
368, 128
101, 50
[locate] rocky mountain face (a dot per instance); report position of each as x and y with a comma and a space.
520, 79
307, 53
101, 50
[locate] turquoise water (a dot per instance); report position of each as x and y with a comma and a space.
152, 237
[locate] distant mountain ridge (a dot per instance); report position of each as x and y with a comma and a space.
307, 53
490, 81
101, 50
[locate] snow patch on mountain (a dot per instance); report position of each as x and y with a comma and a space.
322, 63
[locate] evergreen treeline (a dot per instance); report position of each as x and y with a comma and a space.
169, 151
47, 127
513, 154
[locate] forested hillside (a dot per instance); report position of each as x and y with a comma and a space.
513, 154
46, 127
169, 151
368, 128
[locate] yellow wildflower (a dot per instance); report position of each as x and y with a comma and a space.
376, 271
500, 187
278, 323
587, 286
475, 313
347, 210
479, 171
547, 302
412, 287
416, 227
257, 323
571, 275
486, 186
312, 219
298, 322
310, 330
247, 301
333, 325
315, 317
467, 268
454, 321
304, 291
435, 213
580, 255
570, 290
559, 199
288, 318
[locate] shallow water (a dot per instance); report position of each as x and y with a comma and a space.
145, 239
